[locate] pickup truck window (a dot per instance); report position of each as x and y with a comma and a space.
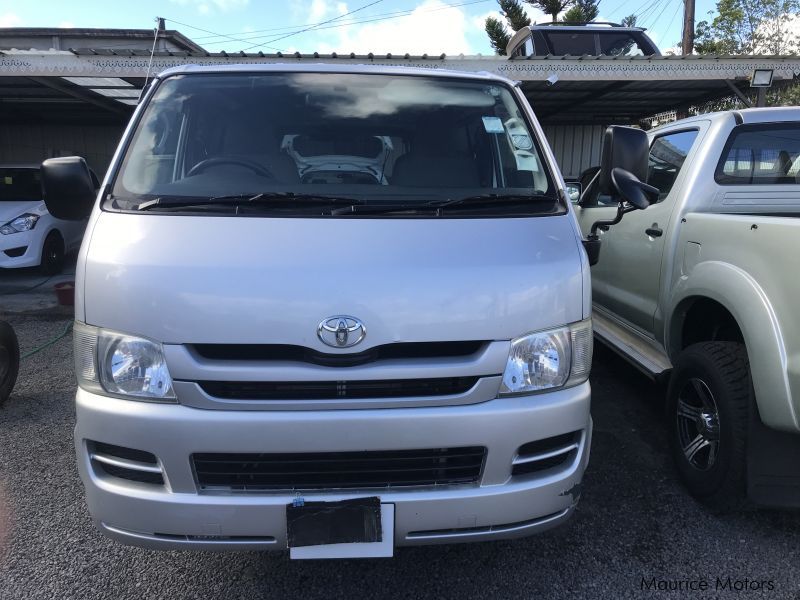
667, 155
759, 154
302, 143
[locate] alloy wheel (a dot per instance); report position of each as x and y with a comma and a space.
698, 424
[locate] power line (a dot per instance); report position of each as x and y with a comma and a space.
373, 19
219, 34
399, 13
288, 35
672, 20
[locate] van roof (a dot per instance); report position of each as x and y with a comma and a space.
327, 68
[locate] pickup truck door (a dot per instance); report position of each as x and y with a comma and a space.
626, 280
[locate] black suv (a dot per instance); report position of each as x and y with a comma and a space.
595, 39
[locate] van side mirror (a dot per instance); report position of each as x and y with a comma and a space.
68, 187
623, 166
623, 170
574, 189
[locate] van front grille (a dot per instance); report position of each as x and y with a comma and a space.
293, 353
334, 470
333, 390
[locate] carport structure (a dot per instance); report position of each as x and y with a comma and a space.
575, 97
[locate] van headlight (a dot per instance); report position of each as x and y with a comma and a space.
121, 365
549, 359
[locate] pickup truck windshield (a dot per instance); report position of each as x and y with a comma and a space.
301, 142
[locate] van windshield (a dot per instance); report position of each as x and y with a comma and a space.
207, 141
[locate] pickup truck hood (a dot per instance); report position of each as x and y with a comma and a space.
195, 279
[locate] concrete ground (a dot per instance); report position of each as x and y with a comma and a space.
634, 523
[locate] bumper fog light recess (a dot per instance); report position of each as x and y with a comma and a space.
125, 463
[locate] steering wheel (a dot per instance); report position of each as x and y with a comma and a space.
216, 161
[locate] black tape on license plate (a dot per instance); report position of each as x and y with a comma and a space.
343, 522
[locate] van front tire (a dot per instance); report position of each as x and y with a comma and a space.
708, 402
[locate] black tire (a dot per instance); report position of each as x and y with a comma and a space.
9, 360
52, 254
709, 400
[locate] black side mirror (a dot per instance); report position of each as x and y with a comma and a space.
68, 187
623, 170
632, 190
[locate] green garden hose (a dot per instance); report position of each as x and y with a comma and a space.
48, 343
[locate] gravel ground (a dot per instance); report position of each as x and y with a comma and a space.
634, 521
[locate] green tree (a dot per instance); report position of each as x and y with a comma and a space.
498, 35
583, 11
551, 7
750, 27
515, 16
629, 21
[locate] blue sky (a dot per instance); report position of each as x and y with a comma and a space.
415, 26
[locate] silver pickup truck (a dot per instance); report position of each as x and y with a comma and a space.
699, 289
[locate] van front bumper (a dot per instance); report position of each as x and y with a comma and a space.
180, 515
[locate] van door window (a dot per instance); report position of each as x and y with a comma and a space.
667, 155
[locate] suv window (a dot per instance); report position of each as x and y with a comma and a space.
667, 155
575, 43
619, 44
761, 154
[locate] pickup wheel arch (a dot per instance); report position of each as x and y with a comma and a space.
713, 285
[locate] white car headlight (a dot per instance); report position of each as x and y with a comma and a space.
549, 359
121, 365
21, 223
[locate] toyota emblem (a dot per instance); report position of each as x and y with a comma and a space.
341, 331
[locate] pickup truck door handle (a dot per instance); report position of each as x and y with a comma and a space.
654, 231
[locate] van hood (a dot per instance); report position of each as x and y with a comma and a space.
199, 279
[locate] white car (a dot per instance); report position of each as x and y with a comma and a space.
29, 235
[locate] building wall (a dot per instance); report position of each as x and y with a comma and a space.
36, 142
576, 147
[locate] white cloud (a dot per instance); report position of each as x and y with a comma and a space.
205, 7
317, 10
66, 24
432, 27
9, 20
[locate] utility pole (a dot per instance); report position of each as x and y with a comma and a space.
687, 39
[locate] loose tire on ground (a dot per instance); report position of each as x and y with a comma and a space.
52, 254
9, 360
709, 399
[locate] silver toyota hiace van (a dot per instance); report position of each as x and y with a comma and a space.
334, 309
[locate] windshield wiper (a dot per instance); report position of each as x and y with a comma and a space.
381, 209
265, 199
490, 200
435, 206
